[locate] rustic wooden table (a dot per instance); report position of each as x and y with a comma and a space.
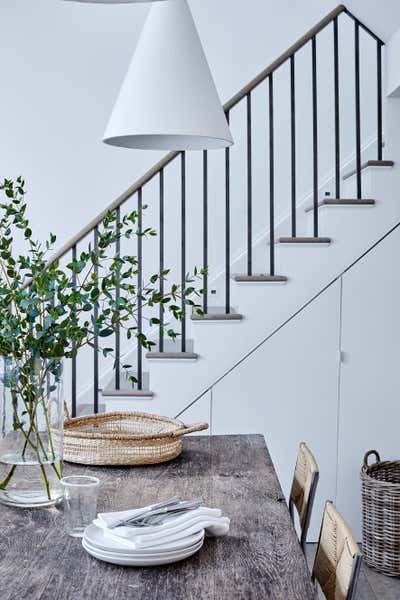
259, 559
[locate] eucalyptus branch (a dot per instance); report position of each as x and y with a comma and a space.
49, 311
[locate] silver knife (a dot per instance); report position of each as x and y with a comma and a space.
170, 510
174, 501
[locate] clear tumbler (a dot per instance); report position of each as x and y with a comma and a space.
80, 502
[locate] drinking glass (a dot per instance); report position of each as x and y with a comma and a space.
80, 502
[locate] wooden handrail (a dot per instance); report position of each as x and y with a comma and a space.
227, 107
285, 56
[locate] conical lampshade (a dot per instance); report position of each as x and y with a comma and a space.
168, 100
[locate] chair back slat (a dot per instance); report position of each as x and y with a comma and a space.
304, 485
338, 557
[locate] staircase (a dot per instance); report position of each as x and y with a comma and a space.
270, 248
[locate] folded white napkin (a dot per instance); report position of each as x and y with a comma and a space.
209, 519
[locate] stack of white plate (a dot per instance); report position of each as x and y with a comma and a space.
108, 549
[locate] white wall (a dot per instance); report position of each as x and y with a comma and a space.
393, 65
62, 64
330, 378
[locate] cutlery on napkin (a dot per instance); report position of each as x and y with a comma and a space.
115, 519
161, 514
157, 524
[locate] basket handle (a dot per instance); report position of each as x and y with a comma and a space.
66, 412
190, 429
368, 454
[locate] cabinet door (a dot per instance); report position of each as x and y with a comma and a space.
370, 383
288, 391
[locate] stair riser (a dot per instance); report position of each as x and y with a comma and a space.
346, 213
349, 186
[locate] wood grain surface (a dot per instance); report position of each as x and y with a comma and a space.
260, 558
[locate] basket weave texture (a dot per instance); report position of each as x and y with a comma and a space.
124, 438
381, 514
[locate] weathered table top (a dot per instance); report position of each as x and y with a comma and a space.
260, 558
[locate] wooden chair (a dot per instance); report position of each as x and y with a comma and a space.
304, 485
338, 559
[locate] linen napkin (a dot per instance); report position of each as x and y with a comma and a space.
175, 528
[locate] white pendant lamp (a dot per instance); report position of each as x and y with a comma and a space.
168, 100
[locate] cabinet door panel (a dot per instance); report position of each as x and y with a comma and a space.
370, 382
288, 390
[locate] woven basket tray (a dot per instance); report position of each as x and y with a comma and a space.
381, 514
124, 438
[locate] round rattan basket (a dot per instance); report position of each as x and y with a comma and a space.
381, 514
124, 438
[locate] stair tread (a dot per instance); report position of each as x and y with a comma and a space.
304, 240
217, 313
341, 202
369, 163
128, 392
172, 355
259, 278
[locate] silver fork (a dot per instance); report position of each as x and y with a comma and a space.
157, 516
174, 501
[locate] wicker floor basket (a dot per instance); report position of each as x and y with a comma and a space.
381, 514
124, 438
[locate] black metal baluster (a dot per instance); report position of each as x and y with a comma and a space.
205, 230
315, 133
183, 249
249, 191
73, 390
293, 142
161, 316
358, 109
379, 98
227, 228
337, 107
95, 336
139, 290
271, 178
117, 297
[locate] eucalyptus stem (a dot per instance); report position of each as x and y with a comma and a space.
46, 481
4, 483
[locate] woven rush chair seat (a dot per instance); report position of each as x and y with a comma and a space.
124, 438
338, 559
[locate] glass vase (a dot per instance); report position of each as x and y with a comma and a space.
32, 415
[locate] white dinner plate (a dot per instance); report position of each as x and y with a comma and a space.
144, 561
152, 553
97, 539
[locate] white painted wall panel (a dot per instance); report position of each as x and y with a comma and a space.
393, 65
287, 390
370, 388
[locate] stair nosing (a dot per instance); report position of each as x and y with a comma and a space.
217, 317
369, 163
129, 393
341, 202
172, 356
260, 278
304, 240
